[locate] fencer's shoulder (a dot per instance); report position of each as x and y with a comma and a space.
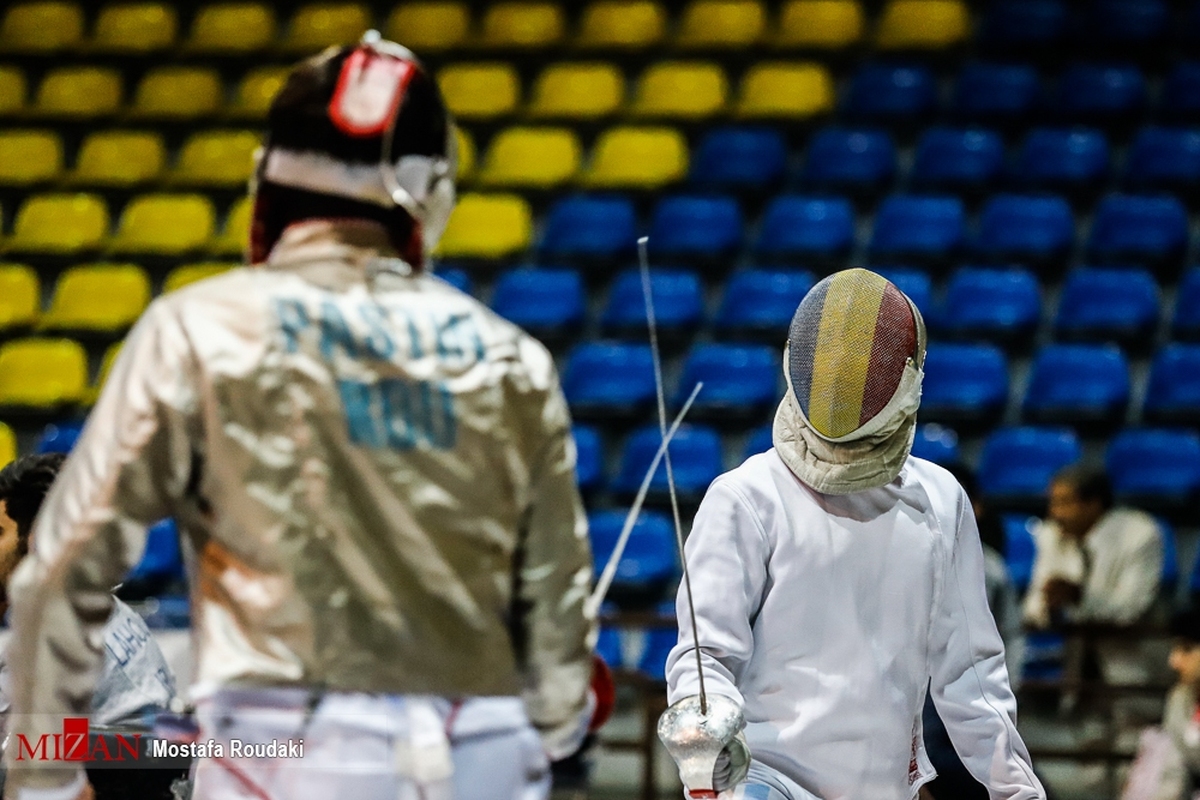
1129, 527
756, 481
936, 482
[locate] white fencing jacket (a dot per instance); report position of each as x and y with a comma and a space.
828, 617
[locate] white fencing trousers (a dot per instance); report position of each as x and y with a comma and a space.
764, 783
365, 747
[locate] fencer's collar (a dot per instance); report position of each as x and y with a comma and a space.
360, 243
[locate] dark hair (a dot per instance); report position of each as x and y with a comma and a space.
1186, 625
23, 486
1089, 483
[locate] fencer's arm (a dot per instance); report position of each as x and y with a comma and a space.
131, 460
1137, 585
969, 679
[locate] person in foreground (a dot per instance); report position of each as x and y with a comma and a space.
837, 579
373, 473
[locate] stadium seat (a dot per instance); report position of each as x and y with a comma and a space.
695, 461
998, 304
1155, 468
235, 233
759, 441
658, 646
794, 91
487, 226
1114, 23
255, 92
20, 297
682, 90
106, 366
78, 93
531, 158
231, 28
1078, 384
164, 225
637, 158
465, 171
97, 299
589, 457
915, 284
610, 648
609, 379
188, 274
590, 228
1164, 158
1170, 567
480, 91
964, 383
135, 28
741, 382
919, 226
59, 224
1062, 159
59, 437
1108, 304
42, 373
796, 227
858, 161
1026, 228
1173, 393
41, 27
8, 445
622, 25
678, 304
696, 228
725, 24
1185, 322
760, 303
745, 159
319, 25
649, 557
430, 26
890, 93
995, 94
178, 93
1020, 549
1017, 463
456, 277
936, 443
819, 24
922, 25
522, 24
29, 157
13, 90
1023, 25
578, 91
1181, 92
1099, 92
161, 562
548, 303
958, 159
216, 159
1139, 229
119, 159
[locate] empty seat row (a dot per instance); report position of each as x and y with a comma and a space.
1048, 24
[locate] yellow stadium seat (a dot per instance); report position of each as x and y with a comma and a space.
12, 90
164, 224
487, 226
119, 158
92, 394
531, 158
622, 25
235, 234
319, 25
137, 27
637, 158
191, 273
578, 91
225, 28
28, 157
480, 91
97, 298
42, 373
466, 155
8, 445
41, 27
177, 93
721, 23
820, 24
523, 24
785, 90
683, 90
79, 92
20, 296
256, 91
922, 24
430, 26
60, 224
217, 158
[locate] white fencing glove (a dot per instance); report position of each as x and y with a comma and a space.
709, 749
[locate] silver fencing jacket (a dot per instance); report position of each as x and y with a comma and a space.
375, 477
828, 616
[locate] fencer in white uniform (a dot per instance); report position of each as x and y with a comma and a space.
837, 579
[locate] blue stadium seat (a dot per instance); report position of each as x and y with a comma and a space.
589, 457
857, 160
695, 461
590, 227
1185, 323
1139, 228
1173, 395
964, 383
759, 441
658, 645
760, 303
890, 93
919, 226
936, 443
798, 227
742, 159
649, 559
1113, 304
1062, 159
609, 648
456, 277
998, 94
1164, 158
548, 303
678, 304
1123, 22
1078, 384
982, 302
1170, 568
608, 379
161, 562
1100, 92
917, 285
958, 159
1026, 228
1020, 550
59, 437
1017, 463
1020, 24
740, 381
696, 228
1181, 92
1155, 468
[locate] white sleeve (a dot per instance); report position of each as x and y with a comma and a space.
969, 681
1136, 587
726, 554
